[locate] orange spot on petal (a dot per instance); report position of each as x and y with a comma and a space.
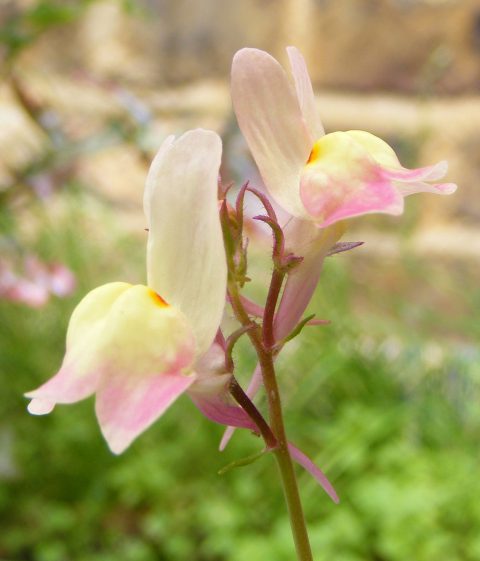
314, 154
159, 301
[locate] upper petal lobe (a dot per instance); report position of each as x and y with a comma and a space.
185, 255
270, 118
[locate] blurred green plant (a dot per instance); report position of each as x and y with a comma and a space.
22, 27
393, 420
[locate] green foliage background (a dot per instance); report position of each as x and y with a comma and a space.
385, 400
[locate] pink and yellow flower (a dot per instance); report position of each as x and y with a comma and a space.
318, 179
139, 347
323, 178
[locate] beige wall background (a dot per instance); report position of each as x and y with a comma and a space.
408, 45
408, 70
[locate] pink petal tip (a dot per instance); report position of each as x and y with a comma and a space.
40, 407
317, 473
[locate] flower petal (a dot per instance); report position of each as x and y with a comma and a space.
79, 375
410, 181
217, 409
40, 406
185, 256
71, 384
306, 97
304, 239
378, 149
428, 173
127, 406
142, 353
272, 123
343, 180
212, 363
420, 187
144, 336
307, 463
88, 317
252, 308
372, 196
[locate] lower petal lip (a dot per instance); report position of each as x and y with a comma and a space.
124, 410
333, 200
40, 406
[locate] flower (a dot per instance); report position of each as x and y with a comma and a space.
139, 347
32, 282
323, 178
319, 179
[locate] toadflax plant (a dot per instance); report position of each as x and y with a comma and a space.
138, 348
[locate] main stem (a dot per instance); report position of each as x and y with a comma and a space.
263, 342
284, 461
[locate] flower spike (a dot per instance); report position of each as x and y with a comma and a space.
320, 180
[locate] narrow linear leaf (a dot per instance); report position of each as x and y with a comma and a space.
243, 462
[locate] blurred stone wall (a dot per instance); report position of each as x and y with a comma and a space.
171, 59
422, 46
396, 44
170, 42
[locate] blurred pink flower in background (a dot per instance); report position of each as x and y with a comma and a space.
33, 281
